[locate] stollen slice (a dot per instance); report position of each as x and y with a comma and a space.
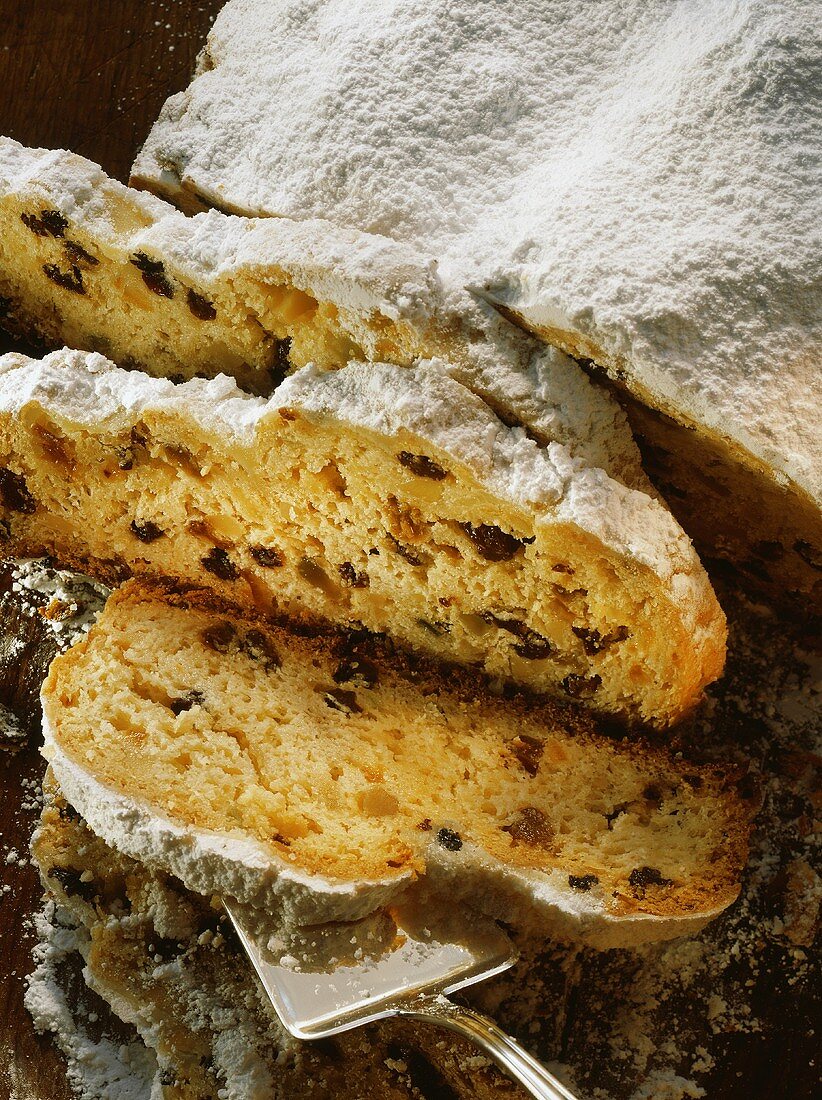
87, 262
374, 495
319, 778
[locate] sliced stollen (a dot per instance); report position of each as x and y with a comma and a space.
389, 497
316, 779
167, 960
89, 263
645, 197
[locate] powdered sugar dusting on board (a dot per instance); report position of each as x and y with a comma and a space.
67, 602
98, 1068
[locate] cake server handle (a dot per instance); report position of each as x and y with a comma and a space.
500, 1047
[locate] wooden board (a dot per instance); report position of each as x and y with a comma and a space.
91, 76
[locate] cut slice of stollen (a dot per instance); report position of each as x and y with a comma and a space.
317, 778
374, 495
89, 263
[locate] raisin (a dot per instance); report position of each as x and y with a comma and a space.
593, 642
617, 811
55, 448
259, 647
438, 629
351, 578
146, 532
51, 223
202, 309
528, 750
14, 492
342, 700
78, 255
71, 881
492, 543
582, 882
449, 839
356, 671
648, 876
425, 825
135, 451
576, 685
531, 827
186, 702
513, 626
281, 365
266, 556
67, 812
154, 276
411, 554
219, 636
220, 564
532, 646
808, 553
68, 280
422, 466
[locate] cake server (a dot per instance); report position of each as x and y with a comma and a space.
401, 962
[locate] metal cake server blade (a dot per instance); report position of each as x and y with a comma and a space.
399, 962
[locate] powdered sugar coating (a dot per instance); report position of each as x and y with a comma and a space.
97, 1066
645, 176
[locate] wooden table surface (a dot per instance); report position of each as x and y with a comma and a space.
91, 76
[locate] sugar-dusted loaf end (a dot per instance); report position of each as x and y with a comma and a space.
621, 241
373, 495
89, 263
315, 777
